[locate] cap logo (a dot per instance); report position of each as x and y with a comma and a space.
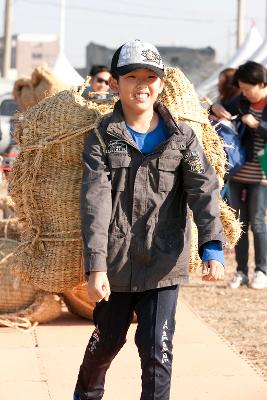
150, 55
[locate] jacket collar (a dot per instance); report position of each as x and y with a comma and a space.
118, 127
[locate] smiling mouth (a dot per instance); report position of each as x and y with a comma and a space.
141, 96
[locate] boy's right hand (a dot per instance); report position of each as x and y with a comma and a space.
98, 286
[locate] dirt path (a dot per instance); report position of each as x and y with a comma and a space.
240, 316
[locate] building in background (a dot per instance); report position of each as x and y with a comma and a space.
197, 64
29, 51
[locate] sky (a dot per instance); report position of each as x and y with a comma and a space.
187, 23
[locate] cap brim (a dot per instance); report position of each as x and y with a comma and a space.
132, 67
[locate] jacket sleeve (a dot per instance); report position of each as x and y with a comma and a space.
95, 205
202, 188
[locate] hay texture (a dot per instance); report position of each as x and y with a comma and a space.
15, 294
46, 188
21, 304
28, 91
78, 302
47, 176
45, 308
23, 93
181, 99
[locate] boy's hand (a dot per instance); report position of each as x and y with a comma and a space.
212, 270
98, 286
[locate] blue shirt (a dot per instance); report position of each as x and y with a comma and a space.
147, 142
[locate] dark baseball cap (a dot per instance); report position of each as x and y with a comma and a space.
136, 54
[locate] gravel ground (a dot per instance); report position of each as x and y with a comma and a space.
240, 315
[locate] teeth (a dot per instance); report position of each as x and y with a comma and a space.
141, 96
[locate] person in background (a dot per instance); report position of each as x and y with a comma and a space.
248, 187
227, 91
99, 84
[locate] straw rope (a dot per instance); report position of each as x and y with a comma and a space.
21, 305
19, 323
45, 308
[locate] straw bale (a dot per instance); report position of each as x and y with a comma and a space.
180, 97
232, 225
78, 302
45, 308
23, 93
28, 91
22, 304
45, 83
46, 188
47, 177
182, 100
14, 293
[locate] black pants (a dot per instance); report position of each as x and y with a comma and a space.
155, 310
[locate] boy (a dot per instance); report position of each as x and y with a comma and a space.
134, 221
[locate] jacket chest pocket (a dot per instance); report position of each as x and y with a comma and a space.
167, 168
119, 168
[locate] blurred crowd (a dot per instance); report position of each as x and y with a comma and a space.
241, 111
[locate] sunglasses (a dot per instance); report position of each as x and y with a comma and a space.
101, 80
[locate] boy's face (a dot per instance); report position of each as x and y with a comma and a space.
138, 90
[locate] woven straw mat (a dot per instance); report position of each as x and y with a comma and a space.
14, 293
22, 304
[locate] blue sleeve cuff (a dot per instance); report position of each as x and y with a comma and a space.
212, 251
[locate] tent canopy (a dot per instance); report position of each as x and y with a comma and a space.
65, 71
251, 43
261, 53
6, 86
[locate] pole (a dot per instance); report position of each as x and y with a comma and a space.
240, 22
7, 38
62, 26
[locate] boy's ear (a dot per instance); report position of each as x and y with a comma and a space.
113, 84
161, 86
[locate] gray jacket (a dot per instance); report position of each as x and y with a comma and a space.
134, 207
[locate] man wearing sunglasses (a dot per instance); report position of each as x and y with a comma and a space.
99, 85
